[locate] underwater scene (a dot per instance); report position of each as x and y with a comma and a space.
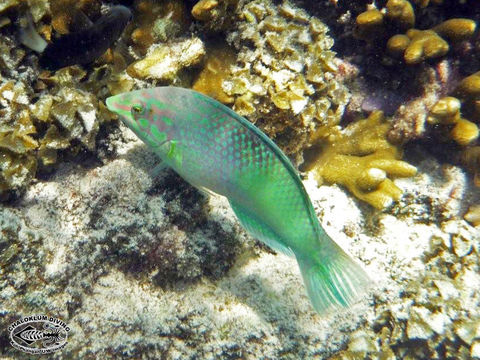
240, 179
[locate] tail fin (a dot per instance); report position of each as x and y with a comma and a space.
333, 278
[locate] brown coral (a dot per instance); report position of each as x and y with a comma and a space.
215, 70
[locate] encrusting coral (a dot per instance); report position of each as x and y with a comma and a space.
360, 158
165, 61
285, 83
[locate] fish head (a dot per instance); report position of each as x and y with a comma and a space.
120, 16
146, 115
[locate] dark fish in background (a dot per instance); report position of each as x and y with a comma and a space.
84, 46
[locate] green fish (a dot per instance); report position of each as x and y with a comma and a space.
214, 148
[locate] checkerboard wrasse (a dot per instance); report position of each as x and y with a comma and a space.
214, 148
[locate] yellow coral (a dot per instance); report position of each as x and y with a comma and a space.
416, 45
164, 62
423, 45
419, 45
401, 13
447, 112
469, 87
369, 25
464, 132
456, 29
361, 159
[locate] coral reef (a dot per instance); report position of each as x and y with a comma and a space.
285, 83
361, 159
216, 69
157, 21
415, 46
197, 285
47, 114
374, 24
39, 119
433, 312
447, 112
216, 15
165, 62
419, 45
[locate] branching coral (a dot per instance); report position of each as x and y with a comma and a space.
415, 45
374, 24
361, 159
446, 112
451, 115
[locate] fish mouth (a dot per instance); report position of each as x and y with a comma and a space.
117, 105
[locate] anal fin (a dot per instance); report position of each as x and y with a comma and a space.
259, 229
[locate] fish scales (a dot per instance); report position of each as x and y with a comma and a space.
241, 166
212, 147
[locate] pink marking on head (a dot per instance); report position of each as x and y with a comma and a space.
122, 107
146, 94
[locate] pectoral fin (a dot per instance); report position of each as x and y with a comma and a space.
158, 169
259, 229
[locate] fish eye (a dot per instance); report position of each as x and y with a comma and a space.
137, 109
